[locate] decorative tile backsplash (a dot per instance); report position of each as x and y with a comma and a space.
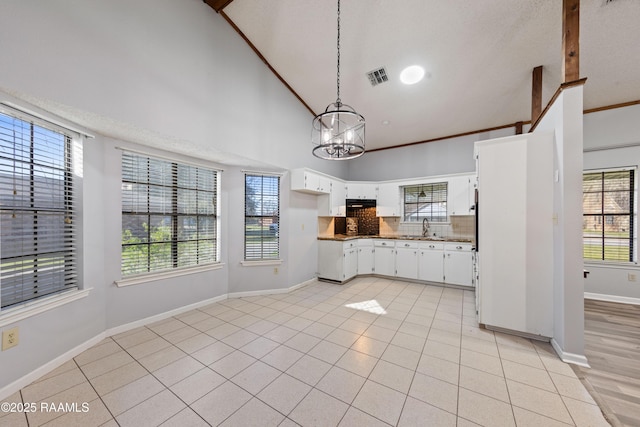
368, 222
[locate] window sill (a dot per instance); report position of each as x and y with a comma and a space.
34, 308
611, 264
151, 277
261, 263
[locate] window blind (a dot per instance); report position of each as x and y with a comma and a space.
426, 201
169, 214
607, 203
37, 212
261, 217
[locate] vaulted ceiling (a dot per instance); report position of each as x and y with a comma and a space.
478, 57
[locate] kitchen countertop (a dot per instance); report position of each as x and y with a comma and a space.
344, 237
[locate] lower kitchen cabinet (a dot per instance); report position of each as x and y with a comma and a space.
431, 262
365, 256
337, 261
458, 264
439, 262
385, 257
407, 259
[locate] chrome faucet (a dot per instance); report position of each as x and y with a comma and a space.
425, 227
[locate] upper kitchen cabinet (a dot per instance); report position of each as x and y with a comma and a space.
388, 199
334, 203
308, 181
461, 195
361, 190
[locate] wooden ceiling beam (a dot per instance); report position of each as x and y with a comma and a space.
570, 40
217, 5
536, 93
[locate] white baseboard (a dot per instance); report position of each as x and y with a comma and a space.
156, 318
270, 291
21, 383
612, 298
27, 379
576, 359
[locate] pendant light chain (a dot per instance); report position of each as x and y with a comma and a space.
338, 133
338, 74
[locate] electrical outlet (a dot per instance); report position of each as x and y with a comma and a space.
9, 338
275, 270
302, 227
631, 277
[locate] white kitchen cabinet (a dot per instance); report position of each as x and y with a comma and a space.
407, 259
361, 190
333, 204
365, 256
461, 194
337, 261
350, 261
458, 264
308, 181
431, 261
388, 199
385, 257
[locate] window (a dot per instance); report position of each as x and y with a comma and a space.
169, 215
607, 203
261, 217
37, 211
425, 201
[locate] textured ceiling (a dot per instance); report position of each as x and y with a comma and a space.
478, 55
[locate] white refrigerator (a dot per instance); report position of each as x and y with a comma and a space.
515, 223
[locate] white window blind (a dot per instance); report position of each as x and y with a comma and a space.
607, 203
169, 215
425, 201
261, 217
37, 211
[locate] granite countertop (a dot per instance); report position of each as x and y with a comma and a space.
344, 237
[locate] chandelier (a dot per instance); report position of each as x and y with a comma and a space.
338, 133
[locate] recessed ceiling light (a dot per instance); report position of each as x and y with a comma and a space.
412, 74
385, 122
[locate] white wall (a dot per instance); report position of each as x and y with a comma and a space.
167, 77
444, 157
565, 119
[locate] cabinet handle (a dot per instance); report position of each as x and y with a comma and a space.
458, 247
384, 244
406, 245
431, 246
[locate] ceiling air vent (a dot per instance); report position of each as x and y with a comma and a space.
377, 76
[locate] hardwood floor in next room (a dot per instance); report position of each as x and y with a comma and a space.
612, 342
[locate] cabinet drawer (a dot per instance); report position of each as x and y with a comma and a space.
365, 243
453, 246
385, 243
349, 244
406, 244
433, 246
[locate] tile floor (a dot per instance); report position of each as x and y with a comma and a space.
373, 352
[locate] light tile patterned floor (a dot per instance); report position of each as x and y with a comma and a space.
373, 352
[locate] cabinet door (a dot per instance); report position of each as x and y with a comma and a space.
407, 263
385, 261
359, 190
458, 268
350, 268
338, 198
459, 195
365, 260
388, 200
431, 265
